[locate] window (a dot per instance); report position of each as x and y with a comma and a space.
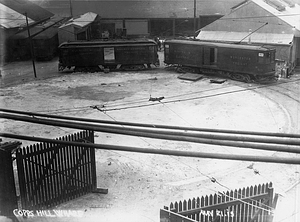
266, 58
261, 57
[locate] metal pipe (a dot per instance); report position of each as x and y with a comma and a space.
155, 134
155, 126
268, 159
285, 141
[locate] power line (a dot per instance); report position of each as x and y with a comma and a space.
193, 98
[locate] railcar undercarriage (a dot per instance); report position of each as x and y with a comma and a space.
107, 68
242, 77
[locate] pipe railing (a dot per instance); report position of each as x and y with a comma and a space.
268, 159
155, 126
264, 144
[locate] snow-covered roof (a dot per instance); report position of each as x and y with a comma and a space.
82, 20
264, 38
11, 18
286, 10
33, 11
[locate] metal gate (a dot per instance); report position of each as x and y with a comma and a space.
50, 174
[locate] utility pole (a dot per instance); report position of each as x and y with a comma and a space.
31, 45
195, 19
71, 10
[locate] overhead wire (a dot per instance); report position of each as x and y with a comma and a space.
194, 98
212, 179
171, 101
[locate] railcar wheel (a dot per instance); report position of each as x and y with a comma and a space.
247, 78
179, 69
190, 69
133, 67
61, 68
240, 77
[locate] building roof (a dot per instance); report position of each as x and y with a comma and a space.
12, 19
261, 17
243, 37
33, 11
287, 10
81, 21
44, 30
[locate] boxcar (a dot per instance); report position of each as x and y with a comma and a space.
108, 55
239, 62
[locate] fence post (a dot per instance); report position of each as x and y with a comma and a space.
8, 197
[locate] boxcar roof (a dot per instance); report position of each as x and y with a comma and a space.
108, 42
217, 44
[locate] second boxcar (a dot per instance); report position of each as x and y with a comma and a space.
108, 55
240, 62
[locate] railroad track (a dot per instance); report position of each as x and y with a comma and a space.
287, 95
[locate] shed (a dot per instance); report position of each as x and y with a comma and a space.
274, 23
78, 28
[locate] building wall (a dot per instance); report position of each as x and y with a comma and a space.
138, 8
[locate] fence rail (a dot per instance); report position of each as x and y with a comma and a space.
50, 174
254, 203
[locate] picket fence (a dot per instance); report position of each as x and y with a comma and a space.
50, 174
254, 203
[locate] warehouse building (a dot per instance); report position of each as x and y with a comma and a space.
146, 17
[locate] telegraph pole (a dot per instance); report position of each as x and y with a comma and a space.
31, 45
71, 10
195, 19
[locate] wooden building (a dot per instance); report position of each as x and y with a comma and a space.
271, 23
146, 17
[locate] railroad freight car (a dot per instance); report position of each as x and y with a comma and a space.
108, 55
245, 63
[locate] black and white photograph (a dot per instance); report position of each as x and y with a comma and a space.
150, 110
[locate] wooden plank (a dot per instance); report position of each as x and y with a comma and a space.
191, 76
93, 161
65, 170
34, 165
44, 180
193, 206
56, 175
27, 178
37, 160
21, 175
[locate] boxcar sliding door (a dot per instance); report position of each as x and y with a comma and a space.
209, 55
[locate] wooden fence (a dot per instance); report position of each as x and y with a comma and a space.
8, 197
254, 203
49, 174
